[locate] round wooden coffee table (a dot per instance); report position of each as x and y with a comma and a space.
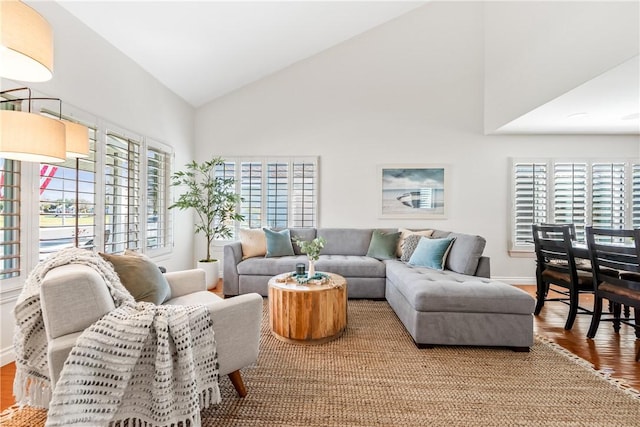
310, 313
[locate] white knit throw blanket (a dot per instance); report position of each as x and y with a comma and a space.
142, 364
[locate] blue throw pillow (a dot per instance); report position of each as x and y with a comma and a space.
431, 253
278, 243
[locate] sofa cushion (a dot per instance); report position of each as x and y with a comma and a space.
346, 241
142, 278
431, 253
305, 234
195, 298
345, 265
253, 242
351, 265
260, 266
383, 245
465, 253
431, 290
278, 243
404, 233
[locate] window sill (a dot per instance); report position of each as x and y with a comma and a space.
522, 253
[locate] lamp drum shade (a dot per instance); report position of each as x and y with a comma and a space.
77, 139
31, 137
26, 43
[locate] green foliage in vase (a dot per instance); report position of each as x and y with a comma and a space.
212, 197
312, 248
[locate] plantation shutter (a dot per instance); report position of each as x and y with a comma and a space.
608, 195
158, 226
530, 199
9, 218
277, 194
227, 170
635, 196
251, 193
570, 196
304, 194
122, 194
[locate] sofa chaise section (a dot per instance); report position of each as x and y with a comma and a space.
447, 308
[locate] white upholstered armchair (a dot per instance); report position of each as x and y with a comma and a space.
74, 296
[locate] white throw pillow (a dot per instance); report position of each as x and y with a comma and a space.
253, 242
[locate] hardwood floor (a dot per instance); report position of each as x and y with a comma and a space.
608, 351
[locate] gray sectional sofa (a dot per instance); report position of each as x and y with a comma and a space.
459, 305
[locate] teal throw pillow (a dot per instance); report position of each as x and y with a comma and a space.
383, 245
278, 243
431, 253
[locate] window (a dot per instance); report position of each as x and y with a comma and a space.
158, 221
276, 192
602, 193
9, 218
115, 199
122, 193
67, 205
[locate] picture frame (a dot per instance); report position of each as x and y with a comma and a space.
414, 191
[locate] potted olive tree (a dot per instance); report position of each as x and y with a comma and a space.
214, 200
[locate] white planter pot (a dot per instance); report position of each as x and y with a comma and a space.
211, 272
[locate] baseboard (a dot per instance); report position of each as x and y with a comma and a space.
7, 356
516, 280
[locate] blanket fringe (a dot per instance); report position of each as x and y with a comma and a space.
209, 397
31, 391
189, 421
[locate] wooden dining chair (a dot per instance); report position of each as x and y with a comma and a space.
556, 270
615, 256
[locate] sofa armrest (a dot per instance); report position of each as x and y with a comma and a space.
72, 298
186, 282
232, 256
484, 267
57, 352
236, 322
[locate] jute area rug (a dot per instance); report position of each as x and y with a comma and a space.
374, 375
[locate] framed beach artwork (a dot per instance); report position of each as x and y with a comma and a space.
413, 191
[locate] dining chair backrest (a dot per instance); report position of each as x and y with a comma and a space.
572, 229
553, 248
619, 252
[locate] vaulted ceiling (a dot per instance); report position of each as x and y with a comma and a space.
202, 50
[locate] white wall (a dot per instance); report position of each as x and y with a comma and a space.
410, 92
92, 75
536, 51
